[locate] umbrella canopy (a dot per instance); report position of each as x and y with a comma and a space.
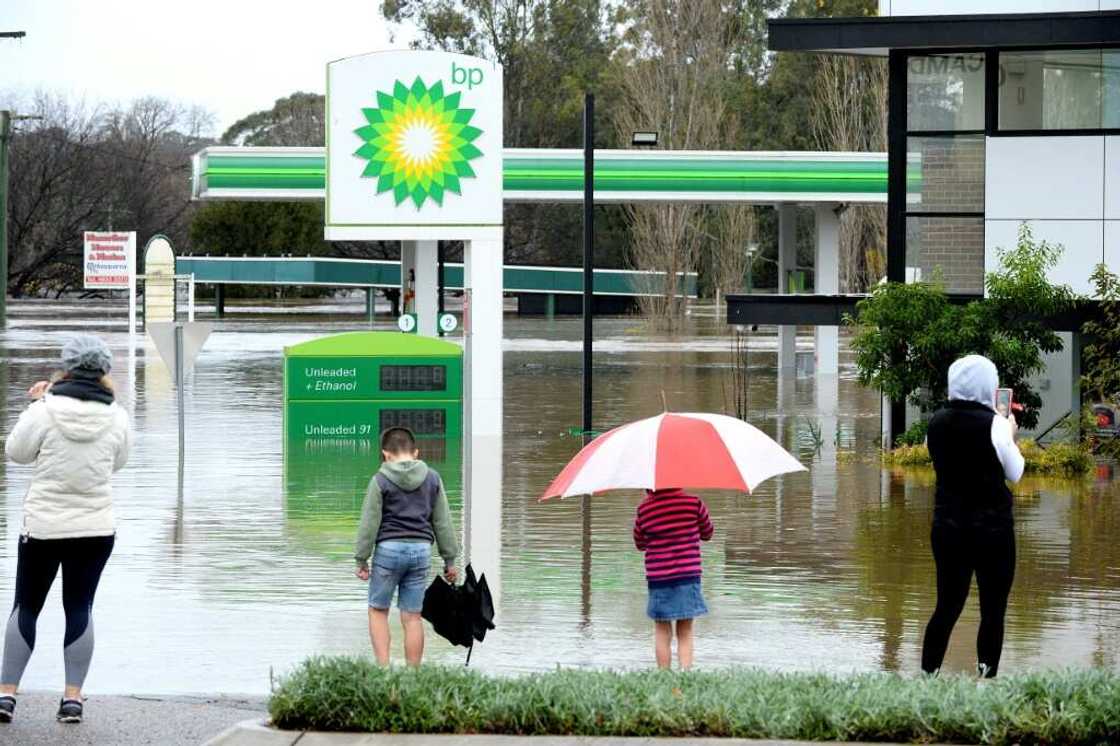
686, 450
460, 614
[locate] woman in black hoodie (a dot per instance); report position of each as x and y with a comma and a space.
974, 454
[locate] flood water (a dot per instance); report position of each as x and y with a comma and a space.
250, 570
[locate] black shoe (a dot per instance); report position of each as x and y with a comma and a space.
7, 708
69, 711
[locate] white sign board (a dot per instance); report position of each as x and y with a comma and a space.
194, 336
109, 259
414, 147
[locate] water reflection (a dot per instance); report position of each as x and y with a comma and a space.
247, 565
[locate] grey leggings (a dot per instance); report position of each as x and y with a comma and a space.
82, 561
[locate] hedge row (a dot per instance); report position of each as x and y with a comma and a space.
346, 694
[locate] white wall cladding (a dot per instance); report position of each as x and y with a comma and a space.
1054, 178
973, 7
1082, 241
1112, 177
1112, 244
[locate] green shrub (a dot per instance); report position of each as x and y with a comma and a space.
347, 694
915, 435
1056, 459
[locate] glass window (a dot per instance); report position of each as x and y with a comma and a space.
1110, 63
946, 250
945, 92
1052, 90
945, 174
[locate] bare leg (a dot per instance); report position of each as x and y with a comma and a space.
684, 643
379, 634
663, 643
72, 692
8, 689
413, 637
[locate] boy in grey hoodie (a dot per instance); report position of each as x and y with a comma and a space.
405, 510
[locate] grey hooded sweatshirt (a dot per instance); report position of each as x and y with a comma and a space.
420, 517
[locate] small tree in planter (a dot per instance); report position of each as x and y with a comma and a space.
907, 335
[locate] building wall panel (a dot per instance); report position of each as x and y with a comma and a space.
1050, 178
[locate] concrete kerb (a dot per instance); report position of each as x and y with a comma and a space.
258, 733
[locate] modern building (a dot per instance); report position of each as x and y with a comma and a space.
1011, 110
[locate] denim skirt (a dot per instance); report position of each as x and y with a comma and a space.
679, 601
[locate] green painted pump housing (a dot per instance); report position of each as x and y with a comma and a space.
351, 387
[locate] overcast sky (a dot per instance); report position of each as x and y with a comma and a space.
231, 57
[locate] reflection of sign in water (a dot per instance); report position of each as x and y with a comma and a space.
351, 387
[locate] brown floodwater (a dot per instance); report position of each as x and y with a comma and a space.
249, 570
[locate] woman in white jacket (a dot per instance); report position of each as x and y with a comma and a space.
76, 436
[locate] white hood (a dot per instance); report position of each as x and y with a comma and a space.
78, 420
974, 378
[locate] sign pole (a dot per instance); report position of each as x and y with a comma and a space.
588, 254
131, 291
5, 135
179, 394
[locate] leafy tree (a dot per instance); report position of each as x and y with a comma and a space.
298, 119
907, 335
1101, 354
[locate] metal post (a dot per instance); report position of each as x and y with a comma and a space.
179, 376
190, 298
220, 300
370, 305
588, 255
5, 136
441, 260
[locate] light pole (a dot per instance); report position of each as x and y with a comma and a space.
5, 135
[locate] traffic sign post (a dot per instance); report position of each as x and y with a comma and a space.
178, 345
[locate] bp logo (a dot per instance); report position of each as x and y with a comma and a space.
418, 143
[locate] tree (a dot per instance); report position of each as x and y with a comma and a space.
296, 120
81, 167
673, 67
1101, 354
907, 335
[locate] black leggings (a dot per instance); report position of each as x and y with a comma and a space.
958, 553
82, 561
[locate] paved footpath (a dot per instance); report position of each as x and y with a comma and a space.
254, 734
129, 720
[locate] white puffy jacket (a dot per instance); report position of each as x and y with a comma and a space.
76, 446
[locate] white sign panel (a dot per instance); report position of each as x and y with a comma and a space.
109, 259
414, 147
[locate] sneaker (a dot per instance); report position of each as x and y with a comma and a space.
7, 708
69, 711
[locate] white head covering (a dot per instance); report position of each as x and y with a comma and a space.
974, 378
85, 352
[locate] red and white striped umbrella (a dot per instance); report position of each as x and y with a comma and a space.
690, 451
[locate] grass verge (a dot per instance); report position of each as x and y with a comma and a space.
348, 694
1057, 459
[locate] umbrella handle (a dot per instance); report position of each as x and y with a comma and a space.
469, 651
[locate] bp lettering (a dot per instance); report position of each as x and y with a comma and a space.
468, 76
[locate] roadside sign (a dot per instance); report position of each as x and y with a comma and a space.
109, 259
194, 336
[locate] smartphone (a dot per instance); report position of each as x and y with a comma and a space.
1003, 402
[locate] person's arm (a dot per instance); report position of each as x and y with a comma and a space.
26, 438
370, 524
704, 521
1003, 439
120, 458
446, 539
641, 541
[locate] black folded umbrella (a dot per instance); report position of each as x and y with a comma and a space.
462, 614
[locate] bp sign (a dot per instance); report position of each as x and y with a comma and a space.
414, 146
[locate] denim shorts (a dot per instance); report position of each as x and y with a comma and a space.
403, 565
679, 601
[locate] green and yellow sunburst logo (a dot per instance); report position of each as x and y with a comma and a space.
418, 143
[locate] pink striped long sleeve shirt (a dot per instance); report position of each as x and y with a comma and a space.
669, 527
